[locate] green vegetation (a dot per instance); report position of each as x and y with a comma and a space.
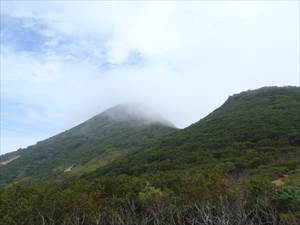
92, 144
240, 165
198, 197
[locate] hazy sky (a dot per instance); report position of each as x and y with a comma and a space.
63, 62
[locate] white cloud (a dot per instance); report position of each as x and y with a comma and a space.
192, 56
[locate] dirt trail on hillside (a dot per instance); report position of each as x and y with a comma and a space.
3, 163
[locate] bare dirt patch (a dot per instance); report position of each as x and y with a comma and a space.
68, 169
280, 181
3, 163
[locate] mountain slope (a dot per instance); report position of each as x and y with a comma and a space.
97, 141
251, 129
254, 131
267, 114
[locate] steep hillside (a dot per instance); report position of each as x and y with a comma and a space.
93, 143
250, 130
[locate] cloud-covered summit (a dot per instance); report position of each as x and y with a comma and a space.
135, 112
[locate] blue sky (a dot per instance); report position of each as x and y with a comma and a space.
63, 62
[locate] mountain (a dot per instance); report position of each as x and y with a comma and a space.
94, 143
250, 130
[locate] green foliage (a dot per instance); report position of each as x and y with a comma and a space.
180, 196
86, 148
151, 194
287, 198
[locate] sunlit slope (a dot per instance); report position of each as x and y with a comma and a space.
93, 143
253, 130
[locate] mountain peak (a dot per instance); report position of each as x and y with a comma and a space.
135, 112
267, 92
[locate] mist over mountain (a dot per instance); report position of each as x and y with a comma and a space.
136, 113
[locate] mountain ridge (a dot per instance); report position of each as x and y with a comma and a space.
112, 143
